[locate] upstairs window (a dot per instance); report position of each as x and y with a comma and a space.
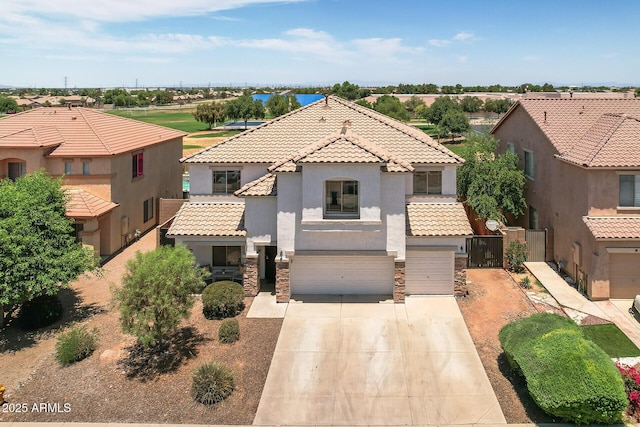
68, 168
137, 164
86, 168
341, 199
226, 182
528, 164
629, 190
427, 182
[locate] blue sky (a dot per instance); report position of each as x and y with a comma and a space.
105, 43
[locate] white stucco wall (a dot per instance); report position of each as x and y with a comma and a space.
260, 220
459, 242
393, 212
289, 208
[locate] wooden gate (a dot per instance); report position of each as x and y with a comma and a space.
484, 252
536, 244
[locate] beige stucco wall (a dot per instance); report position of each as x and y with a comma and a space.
33, 157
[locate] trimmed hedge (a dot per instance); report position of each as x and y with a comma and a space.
222, 299
567, 375
229, 331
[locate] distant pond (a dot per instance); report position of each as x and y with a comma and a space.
303, 98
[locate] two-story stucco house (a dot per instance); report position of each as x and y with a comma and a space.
582, 164
332, 198
115, 169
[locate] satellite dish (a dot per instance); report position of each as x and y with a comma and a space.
492, 224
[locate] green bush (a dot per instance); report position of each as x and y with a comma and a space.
222, 299
525, 282
567, 375
516, 255
229, 331
75, 344
41, 311
212, 383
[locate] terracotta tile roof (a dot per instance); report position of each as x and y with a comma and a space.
613, 227
84, 131
437, 219
83, 204
343, 147
565, 121
36, 137
286, 135
610, 142
209, 219
263, 186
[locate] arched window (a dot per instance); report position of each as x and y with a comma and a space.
341, 199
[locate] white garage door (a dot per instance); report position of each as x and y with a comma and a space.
347, 275
429, 272
624, 275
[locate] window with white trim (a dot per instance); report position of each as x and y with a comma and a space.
629, 190
226, 182
341, 199
427, 182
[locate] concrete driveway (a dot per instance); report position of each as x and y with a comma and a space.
346, 360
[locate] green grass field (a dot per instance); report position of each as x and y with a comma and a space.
456, 147
224, 133
612, 340
181, 119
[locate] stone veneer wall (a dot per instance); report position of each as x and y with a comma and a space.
399, 284
283, 291
460, 274
251, 282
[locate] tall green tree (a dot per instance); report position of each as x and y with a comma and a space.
491, 184
412, 103
392, 107
346, 90
498, 106
157, 293
244, 108
471, 104
38, 251
277, 105
439, 108
8, 105
209, 113
454, 122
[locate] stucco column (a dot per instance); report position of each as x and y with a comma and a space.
250, 280
398, 285
283, 290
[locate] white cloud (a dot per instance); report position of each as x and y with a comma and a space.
125, 10
439, 42
463, 36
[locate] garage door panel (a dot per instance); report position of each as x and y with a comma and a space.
342, 275
429, 272
624, 275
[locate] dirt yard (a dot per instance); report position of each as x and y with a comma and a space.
116, 385
494, 300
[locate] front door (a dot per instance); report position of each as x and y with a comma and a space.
270, 263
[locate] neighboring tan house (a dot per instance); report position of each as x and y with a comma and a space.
582, 164
115, 168
332, 198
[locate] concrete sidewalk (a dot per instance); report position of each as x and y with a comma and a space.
615, 311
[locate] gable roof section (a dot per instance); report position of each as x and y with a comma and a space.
437, 219
565, 121
278, 139
263, 186
610, 142
342, 147
83, 204
82, 131
35, 137
209, 219
613, 227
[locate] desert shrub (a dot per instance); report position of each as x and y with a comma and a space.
212, 383
631, 378
229, 331
41, 311
516, 255
222, 299
525, 282
567, 375
75, 344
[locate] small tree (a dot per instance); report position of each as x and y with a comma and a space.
8, 105
244, 107
38, 251
209, 113
516, 255
454, 122
471, 104
156, 293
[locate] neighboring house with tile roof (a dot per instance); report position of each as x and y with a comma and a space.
332, 198
582, 164
115, 168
